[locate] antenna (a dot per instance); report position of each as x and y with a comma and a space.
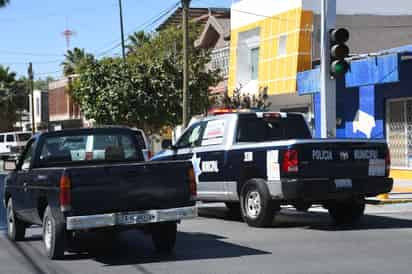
68, 33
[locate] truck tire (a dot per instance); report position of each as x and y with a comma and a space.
15, 228
164, 237
54, 235
346, 212
256, 203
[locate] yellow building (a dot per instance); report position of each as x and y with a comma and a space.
270, 42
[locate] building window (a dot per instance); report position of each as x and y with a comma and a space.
220, 60
399, 132
254, 63
282, 50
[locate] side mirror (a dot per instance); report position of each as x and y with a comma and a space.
167, 144
9, 165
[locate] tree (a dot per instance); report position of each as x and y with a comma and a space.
76, 61
168, 43
146, 90
113, 92
246, 101
43, 84
4, 3
13, 98
137, 39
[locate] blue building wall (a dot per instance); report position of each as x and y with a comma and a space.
367, 87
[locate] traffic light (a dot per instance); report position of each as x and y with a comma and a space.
339, 51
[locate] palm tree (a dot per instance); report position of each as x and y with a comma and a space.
4, 3
137, 39
76, 60
12, 98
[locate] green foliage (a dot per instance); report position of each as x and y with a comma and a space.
13, 98
76, 61
43, 84
248, 101
145, 91
4, 3
113, 92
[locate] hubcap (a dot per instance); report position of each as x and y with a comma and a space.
253, 204
47, 233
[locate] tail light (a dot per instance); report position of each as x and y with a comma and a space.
290, 162
149, 154
387, 162
192, 182
65, 193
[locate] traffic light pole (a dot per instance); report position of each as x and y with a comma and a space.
327, 84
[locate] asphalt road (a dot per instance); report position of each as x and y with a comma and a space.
219, 243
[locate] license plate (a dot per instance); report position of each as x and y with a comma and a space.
343, 183
137, 218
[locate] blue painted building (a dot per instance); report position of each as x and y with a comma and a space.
373, 101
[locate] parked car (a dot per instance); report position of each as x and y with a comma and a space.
13, 142
257, 161
95, 179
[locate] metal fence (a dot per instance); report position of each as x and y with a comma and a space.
399, 132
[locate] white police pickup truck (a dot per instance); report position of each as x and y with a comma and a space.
259, 161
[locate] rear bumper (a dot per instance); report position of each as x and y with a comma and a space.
130, 218
326, 189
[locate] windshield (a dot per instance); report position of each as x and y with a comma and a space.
89, 148
253, 129
23, 137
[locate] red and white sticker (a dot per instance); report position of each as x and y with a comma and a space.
272, 165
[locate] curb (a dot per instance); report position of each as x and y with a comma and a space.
387, 201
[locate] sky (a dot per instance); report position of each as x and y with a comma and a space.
32, 30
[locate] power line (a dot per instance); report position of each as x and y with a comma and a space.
12, 52
153, 20
34, 62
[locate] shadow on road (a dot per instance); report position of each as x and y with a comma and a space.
289, 218
135, 248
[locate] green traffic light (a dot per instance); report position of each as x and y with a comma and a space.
339, 68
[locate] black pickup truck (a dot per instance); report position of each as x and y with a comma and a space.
257, 161
95, 179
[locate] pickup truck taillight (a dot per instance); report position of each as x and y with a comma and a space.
387, 162
290, 162
192, 182
65, 193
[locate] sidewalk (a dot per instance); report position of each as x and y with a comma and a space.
401, 193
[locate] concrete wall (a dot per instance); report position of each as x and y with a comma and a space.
369, 33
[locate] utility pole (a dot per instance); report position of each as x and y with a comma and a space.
122, 30
31, 90
327, 84
186, 108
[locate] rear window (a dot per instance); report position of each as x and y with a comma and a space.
89, 148
23, 137
253, 129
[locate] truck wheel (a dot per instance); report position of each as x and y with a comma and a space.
164, 237
256, 203
15, 228
53, 235
346, 212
